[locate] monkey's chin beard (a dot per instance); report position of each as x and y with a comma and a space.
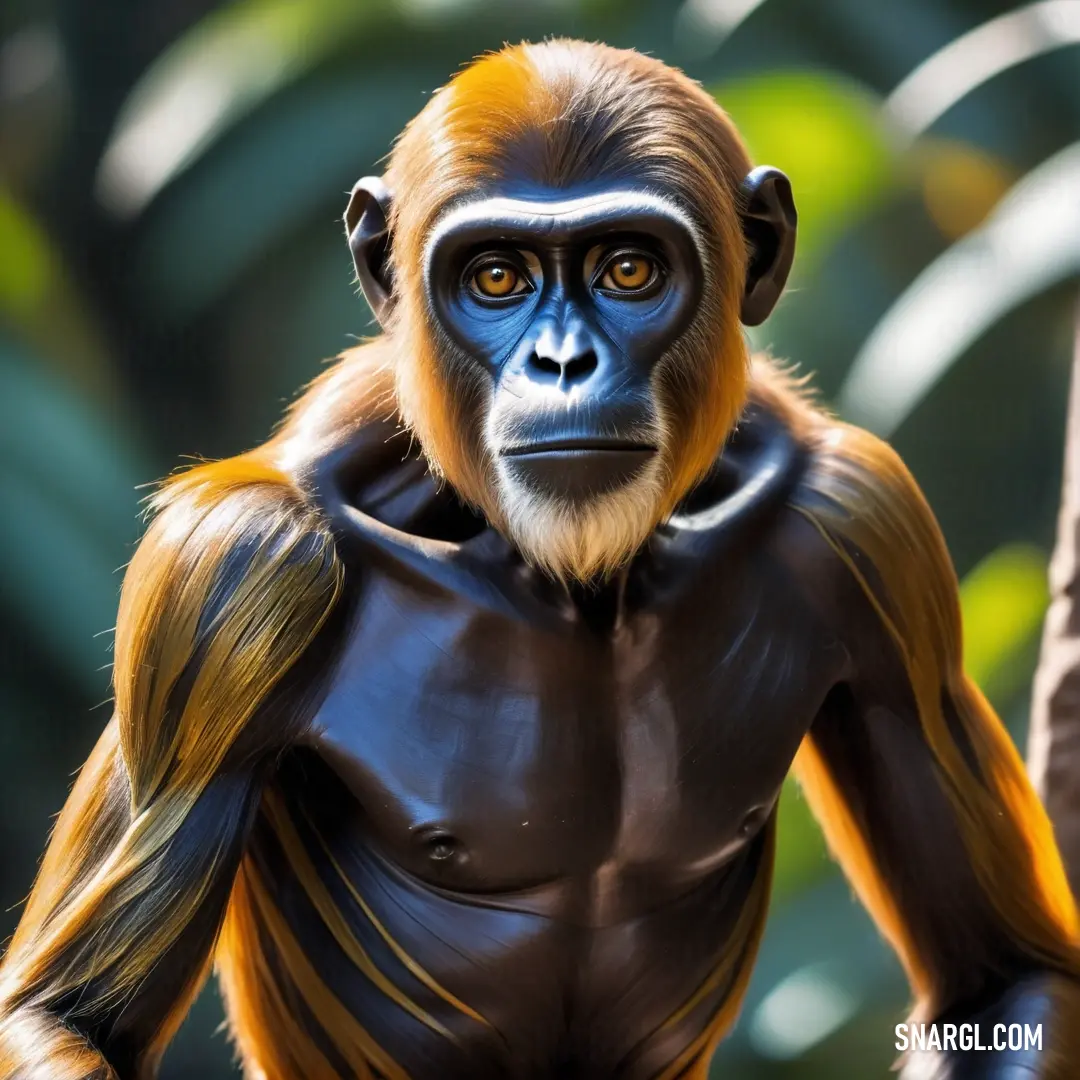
584, 539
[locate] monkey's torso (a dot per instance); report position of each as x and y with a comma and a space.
548, 809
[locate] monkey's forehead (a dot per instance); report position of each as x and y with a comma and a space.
556, 214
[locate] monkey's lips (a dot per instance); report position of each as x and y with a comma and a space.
577, 468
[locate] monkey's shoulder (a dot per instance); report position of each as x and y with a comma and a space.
856, 534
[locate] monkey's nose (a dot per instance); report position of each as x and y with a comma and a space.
567, 359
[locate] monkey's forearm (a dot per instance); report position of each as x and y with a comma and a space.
36, 1046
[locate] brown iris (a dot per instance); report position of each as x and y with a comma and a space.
496, 279
628, 273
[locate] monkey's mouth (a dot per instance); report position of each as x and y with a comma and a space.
579, 467
578, 444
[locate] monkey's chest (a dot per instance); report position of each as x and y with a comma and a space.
490, 756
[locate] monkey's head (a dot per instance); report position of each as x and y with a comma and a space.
563, 251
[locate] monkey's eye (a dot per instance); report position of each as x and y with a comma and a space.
496, 280
629, 272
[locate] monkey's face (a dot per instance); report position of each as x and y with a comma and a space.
563, 258
568, 303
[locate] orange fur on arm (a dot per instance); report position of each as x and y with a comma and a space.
228, 588
921, 793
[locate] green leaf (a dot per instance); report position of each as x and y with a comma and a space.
1003, 599
259, 186
232, 60
1029, 243
28, 265
40, 303
801, 855
824, 131
68, 516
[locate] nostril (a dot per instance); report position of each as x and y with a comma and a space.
580, 366
575, 369
545, 365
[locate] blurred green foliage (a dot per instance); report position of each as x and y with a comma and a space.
826, 134
172, 269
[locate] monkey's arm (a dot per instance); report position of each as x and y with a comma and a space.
226, 591
920, 791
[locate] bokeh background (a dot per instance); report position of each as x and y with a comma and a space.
172, 269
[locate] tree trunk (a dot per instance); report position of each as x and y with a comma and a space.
1054, 740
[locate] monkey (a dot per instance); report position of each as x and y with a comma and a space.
450, 722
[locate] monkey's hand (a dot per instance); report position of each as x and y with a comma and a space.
1009, 1032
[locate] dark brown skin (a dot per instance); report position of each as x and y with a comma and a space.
441, 810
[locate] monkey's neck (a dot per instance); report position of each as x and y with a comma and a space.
601, 603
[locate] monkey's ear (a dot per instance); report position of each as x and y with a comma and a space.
769, 221
367, 225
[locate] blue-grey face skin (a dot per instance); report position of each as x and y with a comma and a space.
568, 301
